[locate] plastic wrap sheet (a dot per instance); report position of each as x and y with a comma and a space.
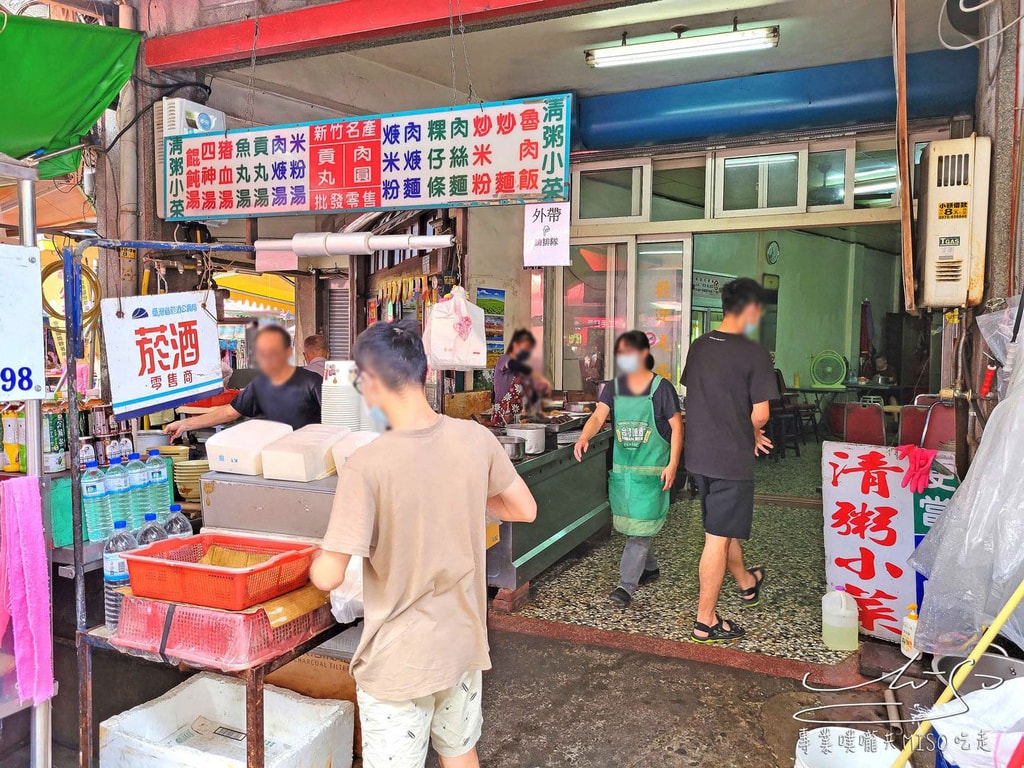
347, 600
997, 329
974, 555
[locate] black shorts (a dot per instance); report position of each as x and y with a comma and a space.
726, 506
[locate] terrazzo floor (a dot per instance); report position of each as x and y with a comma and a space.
788, 540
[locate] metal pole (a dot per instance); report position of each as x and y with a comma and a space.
34, 460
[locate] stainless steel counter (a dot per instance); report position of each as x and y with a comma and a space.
259, 505
572, 505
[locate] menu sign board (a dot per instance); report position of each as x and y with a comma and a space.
474, 154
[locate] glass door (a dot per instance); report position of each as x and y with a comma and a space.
663, 270
611, 287
595, 295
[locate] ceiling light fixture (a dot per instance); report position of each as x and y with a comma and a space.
758, 39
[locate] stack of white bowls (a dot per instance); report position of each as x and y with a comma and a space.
341, 404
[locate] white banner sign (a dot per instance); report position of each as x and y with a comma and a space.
163, 351
546, 235
22, 354
873, 524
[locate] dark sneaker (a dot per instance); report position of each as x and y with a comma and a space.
620, 597
648, 576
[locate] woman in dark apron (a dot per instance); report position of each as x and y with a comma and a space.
648, 444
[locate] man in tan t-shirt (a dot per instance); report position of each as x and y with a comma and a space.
414, 504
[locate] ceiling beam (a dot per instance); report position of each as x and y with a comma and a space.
344, 23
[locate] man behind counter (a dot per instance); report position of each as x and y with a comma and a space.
281, 392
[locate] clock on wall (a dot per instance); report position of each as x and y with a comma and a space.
773, 252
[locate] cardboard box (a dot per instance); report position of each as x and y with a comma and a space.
320, 677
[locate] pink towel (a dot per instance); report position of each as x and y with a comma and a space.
28, 586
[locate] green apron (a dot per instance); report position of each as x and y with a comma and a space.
639, 454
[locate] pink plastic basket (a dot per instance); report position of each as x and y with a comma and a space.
207, 637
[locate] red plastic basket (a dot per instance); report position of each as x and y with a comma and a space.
170, 570
207, 637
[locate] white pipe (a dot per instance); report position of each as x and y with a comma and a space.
352, 243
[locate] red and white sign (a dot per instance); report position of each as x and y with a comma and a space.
161, 350
474, 154
873, 524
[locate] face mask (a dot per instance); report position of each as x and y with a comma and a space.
750, 329
523, 355
628, 363
379, 418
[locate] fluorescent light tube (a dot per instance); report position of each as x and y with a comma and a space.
757, 39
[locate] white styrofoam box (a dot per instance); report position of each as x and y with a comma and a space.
201, 724
304, 454
350, 444
239, 449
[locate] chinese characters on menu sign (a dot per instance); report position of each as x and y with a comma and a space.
476, 154
546, 235
162, 351
873, 524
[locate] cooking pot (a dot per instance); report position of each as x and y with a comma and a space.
990, 667
515, 447
535, 436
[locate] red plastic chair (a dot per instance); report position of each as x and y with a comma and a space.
864, 423
939, 426
912, 421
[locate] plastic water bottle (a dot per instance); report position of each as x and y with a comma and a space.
159, 494
115, 572
176, 524
118, 491
839, 620
96, 503
138, 491
150, 532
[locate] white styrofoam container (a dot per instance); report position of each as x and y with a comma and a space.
298, 731
304, 454
239, 449
350, 444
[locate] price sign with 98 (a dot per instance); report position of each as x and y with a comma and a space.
19, 380
21, 324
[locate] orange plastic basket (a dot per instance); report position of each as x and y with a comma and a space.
170, 570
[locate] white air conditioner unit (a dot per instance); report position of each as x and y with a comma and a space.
952, 222
179, 117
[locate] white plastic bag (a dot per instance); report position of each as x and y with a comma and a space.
347, 600
985, 735
453, 334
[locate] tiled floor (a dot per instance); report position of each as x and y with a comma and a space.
787, 540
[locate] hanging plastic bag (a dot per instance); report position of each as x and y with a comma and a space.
986, 735
347, 600
453, 334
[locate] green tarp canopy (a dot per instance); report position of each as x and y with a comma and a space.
56, 80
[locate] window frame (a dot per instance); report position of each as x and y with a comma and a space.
850, 147
795, 148
702, 160
641, 190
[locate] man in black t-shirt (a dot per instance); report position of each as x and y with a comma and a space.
281, 392
729, 379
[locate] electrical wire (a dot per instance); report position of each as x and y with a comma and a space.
141, 113
972, 43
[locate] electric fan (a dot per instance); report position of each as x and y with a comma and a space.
828, 370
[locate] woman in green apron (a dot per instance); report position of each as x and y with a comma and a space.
648, 426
